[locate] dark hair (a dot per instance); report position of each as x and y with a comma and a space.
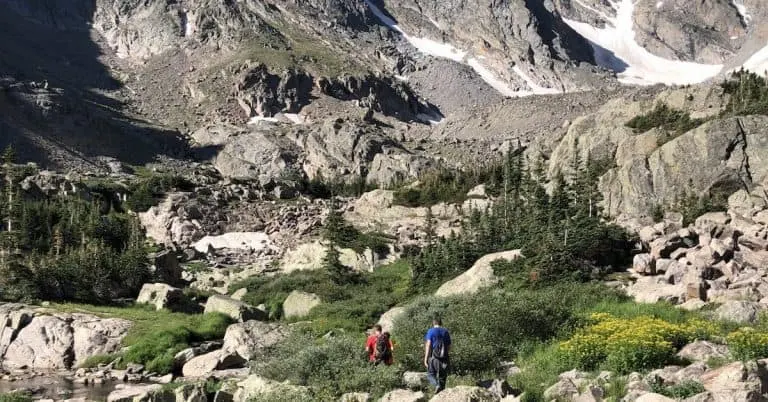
437, 321
377, 327
385, 335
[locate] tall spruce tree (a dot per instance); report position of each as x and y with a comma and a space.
334, 232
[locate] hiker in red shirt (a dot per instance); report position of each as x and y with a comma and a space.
379, 347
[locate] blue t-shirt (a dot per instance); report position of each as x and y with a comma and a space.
436, 333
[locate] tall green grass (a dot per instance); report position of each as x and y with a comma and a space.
156, 336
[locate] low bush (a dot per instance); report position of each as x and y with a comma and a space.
449, 186
683, 390
665, 117
147, 191
16, 397
748, 344
495, 325
329, 366
626, 345
353, 307
156, 349
98, 360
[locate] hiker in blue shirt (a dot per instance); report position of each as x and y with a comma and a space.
437, 344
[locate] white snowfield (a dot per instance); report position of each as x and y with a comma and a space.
448, 51
615, 48
745, 16
758, 63
234, 240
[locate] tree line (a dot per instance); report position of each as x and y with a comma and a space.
66, 247
562, 232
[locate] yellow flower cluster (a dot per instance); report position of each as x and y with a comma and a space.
630, 344
748, 343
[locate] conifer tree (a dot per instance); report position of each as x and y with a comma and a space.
334, 233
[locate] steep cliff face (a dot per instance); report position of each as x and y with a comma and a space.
523, 43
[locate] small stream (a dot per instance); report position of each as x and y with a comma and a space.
57, 387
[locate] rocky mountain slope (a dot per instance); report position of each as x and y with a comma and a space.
156, 72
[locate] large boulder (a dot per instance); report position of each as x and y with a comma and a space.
298, 304
737, 381
306, 256
563, 389
255, 386
13, 317
95, 336
463, 393
37, 339
172, 222
236, 309
742, 312
163, 296
167, 267
46, 343
652, 397
202, 366
478, 277
651, 289
250, 337
403, 395
644, 264
702, 351
387, 320
133, 393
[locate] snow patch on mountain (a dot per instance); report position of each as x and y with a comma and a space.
615, 48
447, 51
758, 63
745, 16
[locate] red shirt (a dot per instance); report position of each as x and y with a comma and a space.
370, 346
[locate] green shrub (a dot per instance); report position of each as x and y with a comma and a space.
495, 325
331, 367
541, 364
671, 120
156, 352
98, 360
748, 94
748, 344
449, 186
683, 390
146, 191
16, 397
354, 306
156, 347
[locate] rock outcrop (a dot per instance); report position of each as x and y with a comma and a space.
36, 339
251, 337
163, 296
202, 366
403, 395
720, 258
255, 386
235, 309
465, 393
478, 277
298, 304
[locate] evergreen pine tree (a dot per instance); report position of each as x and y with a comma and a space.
334, 233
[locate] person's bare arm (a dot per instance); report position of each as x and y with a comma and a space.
427, 348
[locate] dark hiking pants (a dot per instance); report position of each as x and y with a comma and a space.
437, 373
